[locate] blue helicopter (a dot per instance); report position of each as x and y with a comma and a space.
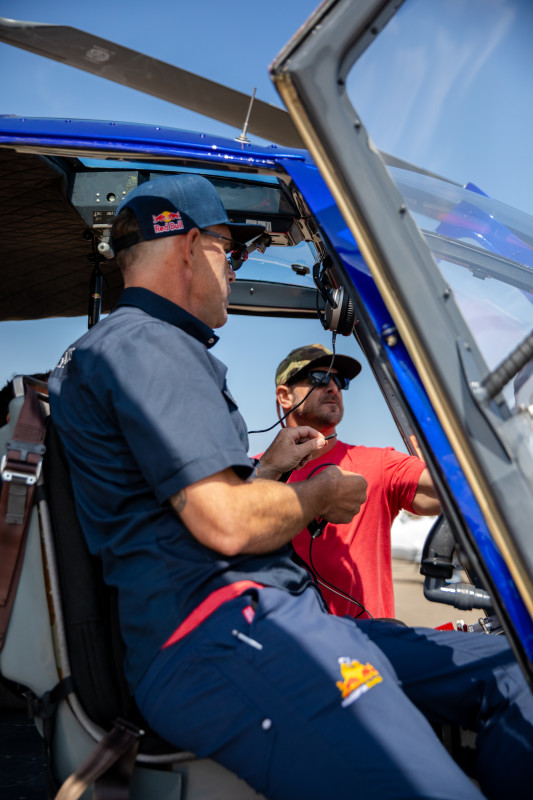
432, 279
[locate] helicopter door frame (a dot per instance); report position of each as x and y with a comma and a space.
310, 75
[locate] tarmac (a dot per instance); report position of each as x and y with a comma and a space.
411, 605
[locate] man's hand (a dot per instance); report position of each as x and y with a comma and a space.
343, 493
291, 449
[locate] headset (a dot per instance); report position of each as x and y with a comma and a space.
338, 314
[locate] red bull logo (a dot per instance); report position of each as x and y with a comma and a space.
167, 221
357, 679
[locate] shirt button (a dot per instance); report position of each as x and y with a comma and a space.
266, 724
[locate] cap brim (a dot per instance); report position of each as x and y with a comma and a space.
345, 365
243, 233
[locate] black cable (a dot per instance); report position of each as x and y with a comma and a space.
312, 389
321, 525
333, 588
320, 466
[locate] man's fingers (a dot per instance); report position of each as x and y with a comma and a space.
305, 434
309, 447
305, 460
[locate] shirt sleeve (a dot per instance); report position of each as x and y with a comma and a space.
401, 475
173, 409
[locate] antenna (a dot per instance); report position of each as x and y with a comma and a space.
242, 136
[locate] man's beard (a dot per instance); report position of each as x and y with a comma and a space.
326, 414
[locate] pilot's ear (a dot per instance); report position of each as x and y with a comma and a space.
191, 245
284, 396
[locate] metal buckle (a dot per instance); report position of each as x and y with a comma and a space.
10, 475
23, 448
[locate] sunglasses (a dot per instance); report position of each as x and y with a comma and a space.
319, 378
238, 253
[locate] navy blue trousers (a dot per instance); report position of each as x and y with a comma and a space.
304, 705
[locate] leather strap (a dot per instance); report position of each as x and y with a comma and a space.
109, 766
20, 471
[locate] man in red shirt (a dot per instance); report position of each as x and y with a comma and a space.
351, 560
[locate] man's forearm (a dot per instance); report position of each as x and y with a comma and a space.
246, 517
268, 472
234, 516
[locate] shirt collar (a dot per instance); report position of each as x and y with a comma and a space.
167, 311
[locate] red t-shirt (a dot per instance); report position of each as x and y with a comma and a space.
356, 557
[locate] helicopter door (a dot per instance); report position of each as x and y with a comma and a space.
452, 267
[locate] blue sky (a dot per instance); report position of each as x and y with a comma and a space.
448, 86
233, 42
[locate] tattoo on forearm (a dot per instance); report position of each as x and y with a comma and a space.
180, 501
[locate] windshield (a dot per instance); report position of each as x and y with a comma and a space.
447, 86
443, 266
458, 106
482, 250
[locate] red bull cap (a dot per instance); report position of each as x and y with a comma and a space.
175, 204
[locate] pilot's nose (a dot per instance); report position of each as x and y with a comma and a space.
332, 386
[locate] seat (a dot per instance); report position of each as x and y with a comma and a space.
64, 647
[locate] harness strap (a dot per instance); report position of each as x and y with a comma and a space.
109, 766
20, 470
45, 707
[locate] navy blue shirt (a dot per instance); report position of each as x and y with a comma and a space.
144, 411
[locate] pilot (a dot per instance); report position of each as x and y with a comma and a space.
230, 651
354, 557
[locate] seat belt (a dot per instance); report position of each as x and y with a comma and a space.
109, 766
20, 470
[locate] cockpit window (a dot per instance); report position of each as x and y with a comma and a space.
458, 68
447, 85
483, 251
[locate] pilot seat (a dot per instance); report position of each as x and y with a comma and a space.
63, 649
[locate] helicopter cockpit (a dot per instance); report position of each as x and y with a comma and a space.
76, 198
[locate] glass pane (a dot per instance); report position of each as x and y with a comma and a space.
482, 250
447, 86
290, 265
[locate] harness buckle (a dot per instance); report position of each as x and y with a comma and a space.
30, 477
20, 474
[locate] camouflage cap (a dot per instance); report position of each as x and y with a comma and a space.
319, 356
